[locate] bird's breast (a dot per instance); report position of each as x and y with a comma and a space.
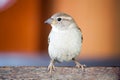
65, 44
65, 38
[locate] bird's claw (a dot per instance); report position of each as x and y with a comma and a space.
81, 66
78, 65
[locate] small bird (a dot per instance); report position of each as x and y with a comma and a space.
65, 40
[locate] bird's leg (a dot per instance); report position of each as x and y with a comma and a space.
78, 65
51, 66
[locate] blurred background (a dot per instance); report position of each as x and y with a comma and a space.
23, 34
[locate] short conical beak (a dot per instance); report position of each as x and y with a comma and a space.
49, 21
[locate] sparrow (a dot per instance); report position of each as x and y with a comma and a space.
65, 40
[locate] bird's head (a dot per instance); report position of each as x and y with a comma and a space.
61, 21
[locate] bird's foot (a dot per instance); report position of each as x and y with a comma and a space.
51, 66
78, 65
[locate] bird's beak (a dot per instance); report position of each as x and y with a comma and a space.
49, 21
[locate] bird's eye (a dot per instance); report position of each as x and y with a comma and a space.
59, 19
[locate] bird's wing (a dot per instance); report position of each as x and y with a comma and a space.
79, 29
81, 35
82, 38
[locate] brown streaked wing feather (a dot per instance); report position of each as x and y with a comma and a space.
81, 35
81, 38
79, 29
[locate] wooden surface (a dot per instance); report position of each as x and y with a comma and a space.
61, 73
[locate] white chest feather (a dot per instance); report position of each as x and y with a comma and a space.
64, 45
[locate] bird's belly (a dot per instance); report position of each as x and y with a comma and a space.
64, 48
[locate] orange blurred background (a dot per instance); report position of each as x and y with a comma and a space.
22, 27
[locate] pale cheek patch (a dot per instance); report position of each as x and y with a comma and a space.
53, 22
